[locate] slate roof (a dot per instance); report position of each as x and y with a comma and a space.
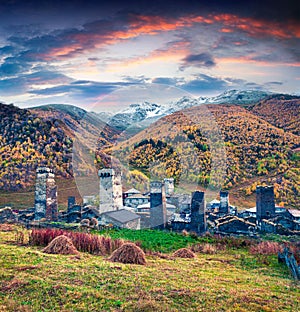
122, 216
294, 212
132, 191
138, 196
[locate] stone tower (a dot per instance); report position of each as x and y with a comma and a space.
158, 210
45, 195
110, 195
169, 186
198, 218
224, 202
71, 202
265, 202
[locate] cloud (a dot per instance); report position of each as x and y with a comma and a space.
82, 89
13, 86
168, 81
10, 69
198, 60
204, 83
7, 50
24, 82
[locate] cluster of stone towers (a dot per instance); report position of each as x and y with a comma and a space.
45, 195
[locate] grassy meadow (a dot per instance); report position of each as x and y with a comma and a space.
231, 279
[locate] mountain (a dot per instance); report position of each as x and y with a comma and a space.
45, 136
261, 142
281, 111
178, 145
141, 115
237, 97
136, 113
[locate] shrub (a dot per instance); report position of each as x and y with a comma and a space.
129, 253
234, 242
84, 242
209, 249
185, 233
204, 248
94, 223
85, 222
184, 253
61, 245
266, 248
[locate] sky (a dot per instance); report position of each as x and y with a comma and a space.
79, 52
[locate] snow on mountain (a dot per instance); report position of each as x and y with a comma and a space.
238, 97
149, 112
136, 113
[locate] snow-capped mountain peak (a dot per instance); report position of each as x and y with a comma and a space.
139, 112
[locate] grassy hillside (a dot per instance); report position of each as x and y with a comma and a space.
230, 280
256, 151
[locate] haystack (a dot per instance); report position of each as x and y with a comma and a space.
128, 253
61, 245
184, 253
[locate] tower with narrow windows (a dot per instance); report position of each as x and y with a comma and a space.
198, 208
45, 201
265, 202
158, 210
224, 202
169, 186
110, 193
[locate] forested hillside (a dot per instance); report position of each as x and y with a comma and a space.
261, 144
42, 136
280, 111
256, 151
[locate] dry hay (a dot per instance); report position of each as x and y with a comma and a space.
61, 245
128, 253
184, 253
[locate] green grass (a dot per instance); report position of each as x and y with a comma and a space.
153, 240
231, 280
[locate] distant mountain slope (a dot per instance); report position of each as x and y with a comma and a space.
238, 97
75, 119
44, 136
281, 112
141, 115
256, 151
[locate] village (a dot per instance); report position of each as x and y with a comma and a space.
160, 208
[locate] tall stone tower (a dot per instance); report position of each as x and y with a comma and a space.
110, 190
169, 186
224, 202
265, 202
198, 218
158, 210
45, 195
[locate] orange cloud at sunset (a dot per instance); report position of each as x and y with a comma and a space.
174, 53
249, 59
139, 25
